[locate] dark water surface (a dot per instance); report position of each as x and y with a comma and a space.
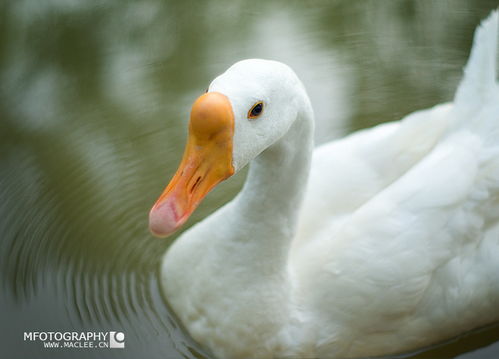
94, 99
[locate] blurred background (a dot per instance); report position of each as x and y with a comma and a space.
94, 103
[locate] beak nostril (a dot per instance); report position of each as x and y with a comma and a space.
195, 184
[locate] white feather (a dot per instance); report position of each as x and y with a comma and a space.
392, 244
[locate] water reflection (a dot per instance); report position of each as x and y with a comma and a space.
94, 99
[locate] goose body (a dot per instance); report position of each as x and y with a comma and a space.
384, 242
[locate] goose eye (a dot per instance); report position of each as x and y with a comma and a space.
256, 110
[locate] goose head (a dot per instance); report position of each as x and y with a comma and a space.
244, 111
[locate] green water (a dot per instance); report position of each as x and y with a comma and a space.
94, 99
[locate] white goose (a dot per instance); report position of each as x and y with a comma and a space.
393, 245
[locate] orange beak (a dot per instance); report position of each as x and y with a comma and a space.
206, 162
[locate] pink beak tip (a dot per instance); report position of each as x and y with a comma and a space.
163, 220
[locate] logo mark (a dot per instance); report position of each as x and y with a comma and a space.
116, 340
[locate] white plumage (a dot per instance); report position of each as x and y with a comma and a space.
391, 245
